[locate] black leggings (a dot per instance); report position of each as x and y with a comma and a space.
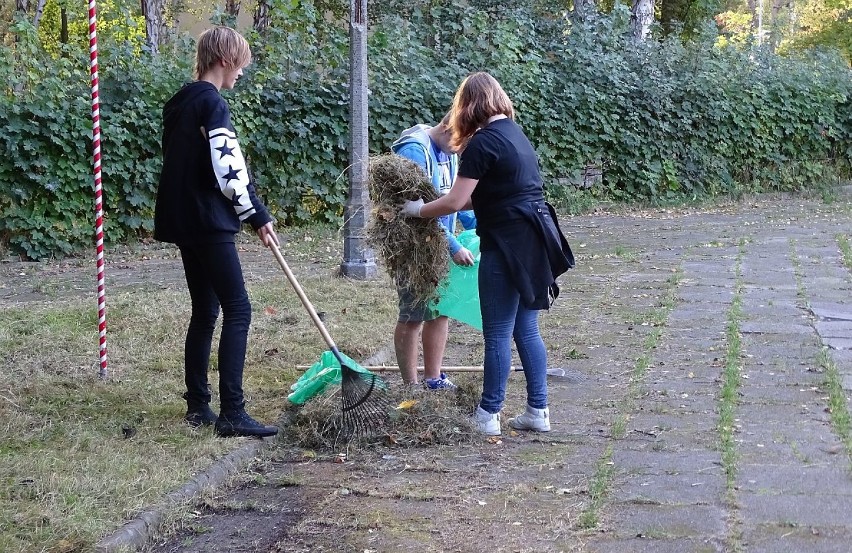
214, 277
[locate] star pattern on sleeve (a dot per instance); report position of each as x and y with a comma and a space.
232, 174
224, 150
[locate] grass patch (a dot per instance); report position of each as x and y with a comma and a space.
622, 252
573, 200
68, 473
288, 481
546, 454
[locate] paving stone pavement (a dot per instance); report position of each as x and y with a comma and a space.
665, 310
791, 489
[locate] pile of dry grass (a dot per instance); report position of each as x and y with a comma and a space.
414, 250
417, 418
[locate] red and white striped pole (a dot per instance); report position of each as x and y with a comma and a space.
99, 207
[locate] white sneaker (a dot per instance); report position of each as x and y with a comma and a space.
537, 420
487, 423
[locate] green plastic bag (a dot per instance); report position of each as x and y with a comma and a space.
458, 293
320, 376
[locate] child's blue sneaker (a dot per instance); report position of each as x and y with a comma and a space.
440, 383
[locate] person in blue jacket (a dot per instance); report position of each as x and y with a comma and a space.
522, 249
428, 146
204, 196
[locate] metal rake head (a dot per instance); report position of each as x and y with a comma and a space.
365, 401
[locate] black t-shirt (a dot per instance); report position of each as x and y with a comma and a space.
504, 162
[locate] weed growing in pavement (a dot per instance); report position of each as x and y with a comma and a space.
837, 402
729, 393
801, 293
598, 490
622, 252
845, 250
731, 377
599, 487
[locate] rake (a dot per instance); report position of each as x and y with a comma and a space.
364, 394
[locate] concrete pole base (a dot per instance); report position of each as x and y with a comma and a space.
363, 270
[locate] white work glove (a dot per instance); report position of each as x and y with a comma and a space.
464, 257
411, 208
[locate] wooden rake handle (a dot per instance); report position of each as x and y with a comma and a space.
551, 371
306, 302
448, 368
391, 368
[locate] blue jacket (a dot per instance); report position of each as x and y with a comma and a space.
414, 144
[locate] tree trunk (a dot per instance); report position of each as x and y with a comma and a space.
232, 8
22, 7
39, 12
261, 16
359, 261
642, 15
776, 21
152, 10
583, 9
673, 12
752, 8
63, 29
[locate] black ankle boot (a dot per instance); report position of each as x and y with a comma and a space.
239, 423
198, 416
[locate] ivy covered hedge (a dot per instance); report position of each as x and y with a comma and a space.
667, 120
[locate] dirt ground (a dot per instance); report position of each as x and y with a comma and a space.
635, 459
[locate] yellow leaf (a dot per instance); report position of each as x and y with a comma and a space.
407, 404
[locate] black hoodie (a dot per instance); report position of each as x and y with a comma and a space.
205, 191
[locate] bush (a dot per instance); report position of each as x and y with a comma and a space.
668, 120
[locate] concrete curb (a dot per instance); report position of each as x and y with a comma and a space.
138, 532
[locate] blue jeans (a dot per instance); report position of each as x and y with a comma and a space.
503, 318
214, 277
